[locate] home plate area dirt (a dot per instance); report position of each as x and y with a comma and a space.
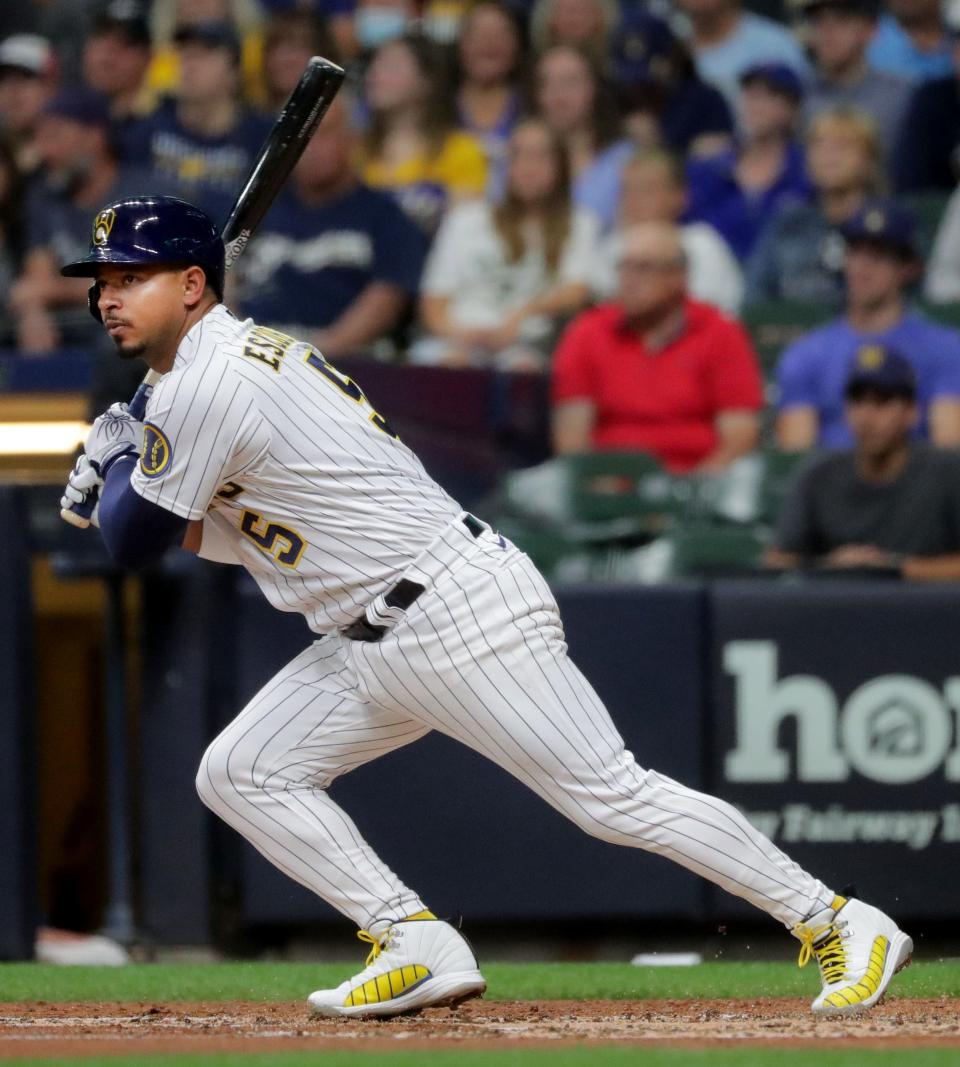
40, 1029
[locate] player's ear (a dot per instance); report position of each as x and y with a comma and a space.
194, 283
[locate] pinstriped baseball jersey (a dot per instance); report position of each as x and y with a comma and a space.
294, 472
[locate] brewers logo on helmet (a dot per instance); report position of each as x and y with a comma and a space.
151, 229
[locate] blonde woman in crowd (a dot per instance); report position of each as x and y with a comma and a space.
412, 146
800, 255
502, 279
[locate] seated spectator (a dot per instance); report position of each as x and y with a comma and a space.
245, 17
839, 32
290, 39
888, 503
740, 190
586, 25
116, 57
656, 371
926, 149
654, 190
80, 175
488, 99
911, 41
726, 41
880, 263
941, 284
577, 104
663, 99
334, 261
11, 234
28, 79
204, 141
412, 146
501, 279
800, 254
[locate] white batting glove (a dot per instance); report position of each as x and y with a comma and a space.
83, 488
115, 433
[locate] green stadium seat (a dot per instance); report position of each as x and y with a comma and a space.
775, 324
711, 550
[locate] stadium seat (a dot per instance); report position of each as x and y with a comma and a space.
713, 550
775, 324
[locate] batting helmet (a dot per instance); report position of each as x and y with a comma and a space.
151, 229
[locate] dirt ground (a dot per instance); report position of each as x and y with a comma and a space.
40, 1029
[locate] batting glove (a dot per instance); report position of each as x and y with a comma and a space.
115, 433
83, 488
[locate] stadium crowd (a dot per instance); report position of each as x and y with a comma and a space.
591, 190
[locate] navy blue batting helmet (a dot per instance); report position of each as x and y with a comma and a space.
151, 229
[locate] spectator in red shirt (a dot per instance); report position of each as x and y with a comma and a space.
656, 371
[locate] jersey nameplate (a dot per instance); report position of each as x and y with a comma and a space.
269, 346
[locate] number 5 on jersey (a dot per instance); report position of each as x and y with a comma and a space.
279, 542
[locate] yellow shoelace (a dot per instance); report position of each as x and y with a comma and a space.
369, 939
830, 954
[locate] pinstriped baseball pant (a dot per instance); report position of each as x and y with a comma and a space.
480, 656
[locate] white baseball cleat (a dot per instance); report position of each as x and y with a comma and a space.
416, 963
858, 950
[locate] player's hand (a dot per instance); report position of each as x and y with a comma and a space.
83, 488
115, 433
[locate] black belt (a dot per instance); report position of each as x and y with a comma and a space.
401, 596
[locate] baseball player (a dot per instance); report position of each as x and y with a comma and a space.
257, 451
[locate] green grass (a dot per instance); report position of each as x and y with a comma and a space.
561, 1057
507, 981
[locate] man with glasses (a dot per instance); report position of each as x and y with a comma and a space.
656, 371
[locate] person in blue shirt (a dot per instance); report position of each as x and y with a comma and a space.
738, 191
205, 140
911, 41
881, 261
726, 41
334, 262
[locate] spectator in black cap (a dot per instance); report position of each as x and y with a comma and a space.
664, 101
203, 141
79, 175
927, 153
838, 33
28, 78
116, 56
738, 191
888, 504
880, 263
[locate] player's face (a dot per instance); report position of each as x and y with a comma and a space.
142, 308
879, 423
